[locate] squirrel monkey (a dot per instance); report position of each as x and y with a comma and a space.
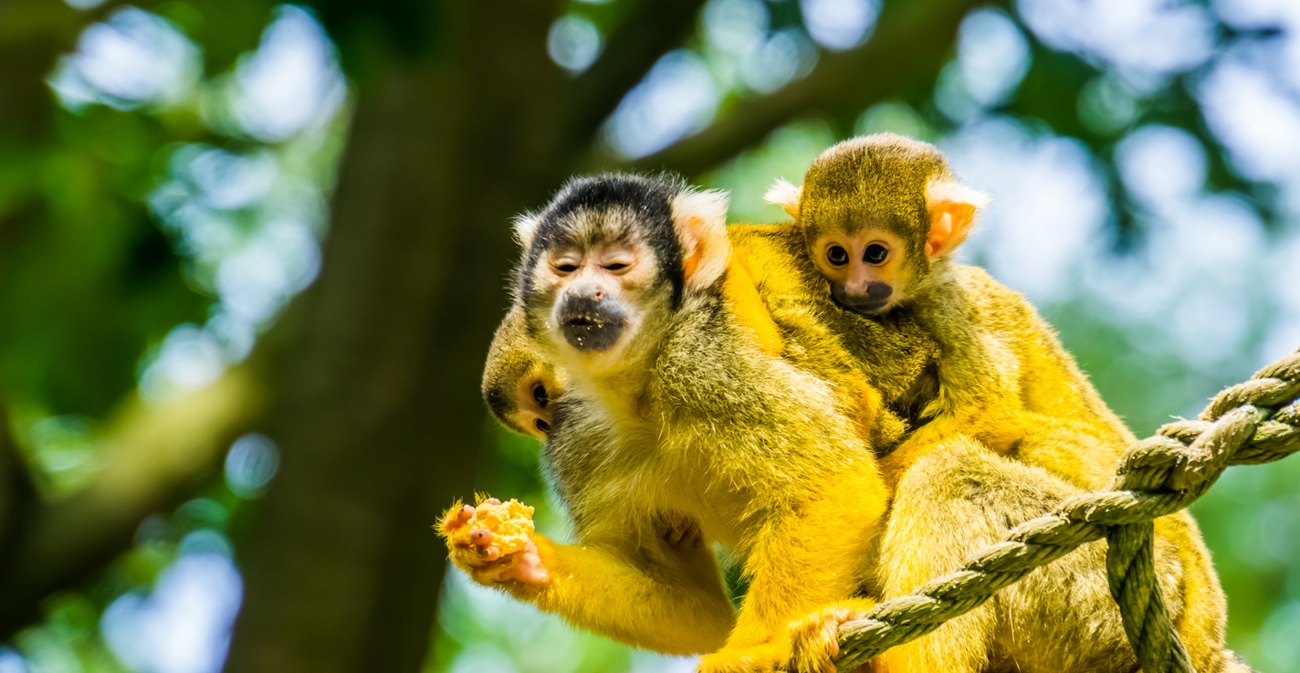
880, 216
673, 409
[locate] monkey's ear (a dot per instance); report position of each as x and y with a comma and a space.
525, 227
952, 207
785, 194
700, 219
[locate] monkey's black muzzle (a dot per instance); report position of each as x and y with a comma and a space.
873, 301
591, 324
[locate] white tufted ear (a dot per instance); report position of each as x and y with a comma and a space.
952, 207
785, 194
700, 219
525, 227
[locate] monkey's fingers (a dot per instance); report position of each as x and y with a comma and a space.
680, 531
457, 518
813, 642
523, 566
529, 569
480, 538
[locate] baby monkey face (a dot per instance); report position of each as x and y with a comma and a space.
864, 268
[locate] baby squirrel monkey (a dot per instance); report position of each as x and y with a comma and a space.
881, 216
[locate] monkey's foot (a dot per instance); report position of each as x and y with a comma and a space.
813, 640
765, 658
493, 542
679, 530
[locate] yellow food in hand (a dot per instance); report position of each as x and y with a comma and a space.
510, 524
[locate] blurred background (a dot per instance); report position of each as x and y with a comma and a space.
251, 256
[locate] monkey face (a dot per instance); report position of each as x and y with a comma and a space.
521, 390
597, 286
610, 256
519, 385
599, 295
534, 401
866, 269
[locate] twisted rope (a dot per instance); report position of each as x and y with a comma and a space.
1254, 422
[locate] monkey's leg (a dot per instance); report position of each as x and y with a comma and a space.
935, 523
1082, 454
638, 588
814, 556
994, 427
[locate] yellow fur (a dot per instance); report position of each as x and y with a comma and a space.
1002, 378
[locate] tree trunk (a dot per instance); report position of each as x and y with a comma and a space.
378, 416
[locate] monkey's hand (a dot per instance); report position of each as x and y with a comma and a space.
679, 530
813, 641
493, 542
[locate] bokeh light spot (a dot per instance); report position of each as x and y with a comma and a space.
573, 42
251, 464
993, 56
678, 97
183, 626
132, 59
839, 24
291, 82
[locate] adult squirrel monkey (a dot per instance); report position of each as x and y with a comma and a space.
672, 409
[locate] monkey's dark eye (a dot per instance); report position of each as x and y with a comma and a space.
616, 266
875, 254
837, 256
540, 396
566, 267
542, 426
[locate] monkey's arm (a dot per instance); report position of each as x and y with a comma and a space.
639, 589
665, 599
811, 557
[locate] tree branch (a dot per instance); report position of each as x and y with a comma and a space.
154, 456
646, 32
912, 41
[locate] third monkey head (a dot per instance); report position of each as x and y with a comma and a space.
609, 260
519, 386
877, 212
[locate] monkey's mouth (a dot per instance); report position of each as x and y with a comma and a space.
592, 331
873, 302
868, 308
